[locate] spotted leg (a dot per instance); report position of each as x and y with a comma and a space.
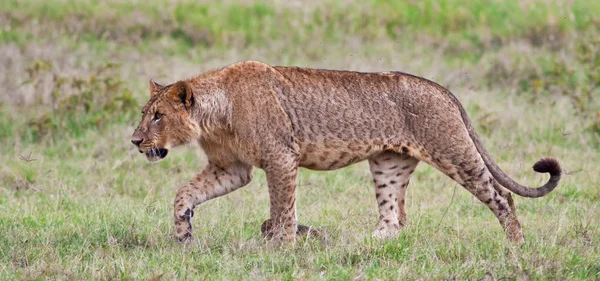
213, 181
391, 173
281, 178
467, 168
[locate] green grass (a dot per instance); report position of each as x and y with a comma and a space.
77, 201
482, 24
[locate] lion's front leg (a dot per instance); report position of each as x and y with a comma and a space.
281, 177
213, 181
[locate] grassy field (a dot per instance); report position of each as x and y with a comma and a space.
78, 202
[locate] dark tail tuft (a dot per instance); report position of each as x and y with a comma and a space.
548, 165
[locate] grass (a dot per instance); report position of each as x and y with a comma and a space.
78, 202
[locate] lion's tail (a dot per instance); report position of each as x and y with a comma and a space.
545, 165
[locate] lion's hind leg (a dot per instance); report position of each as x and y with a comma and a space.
391, 174
465, 166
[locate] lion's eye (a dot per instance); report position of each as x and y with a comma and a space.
157, 116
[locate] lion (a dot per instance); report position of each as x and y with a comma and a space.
277, 118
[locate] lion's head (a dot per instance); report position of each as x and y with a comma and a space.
166, 120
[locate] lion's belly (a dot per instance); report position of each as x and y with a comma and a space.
334, 155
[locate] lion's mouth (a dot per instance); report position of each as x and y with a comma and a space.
155, 154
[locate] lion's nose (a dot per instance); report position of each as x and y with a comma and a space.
137, 142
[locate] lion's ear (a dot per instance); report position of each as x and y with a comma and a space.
154, 87
181, 92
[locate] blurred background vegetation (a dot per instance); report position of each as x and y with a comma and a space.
54, 49
73, 77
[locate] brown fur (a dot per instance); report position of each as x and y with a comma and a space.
250, 114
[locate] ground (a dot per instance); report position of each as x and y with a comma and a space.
77, 201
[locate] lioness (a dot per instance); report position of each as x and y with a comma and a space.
250, 114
